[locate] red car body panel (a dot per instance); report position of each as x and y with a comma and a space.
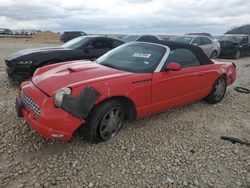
52, 120
150, 92
89, 72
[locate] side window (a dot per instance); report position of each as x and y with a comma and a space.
75, 34
101, 44
197, 41
116, 43
184, 57
148, 39
206, 41
245, 40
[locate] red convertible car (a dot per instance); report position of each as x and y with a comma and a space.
132, 81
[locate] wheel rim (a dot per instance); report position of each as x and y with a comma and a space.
111, 123
214, 55
219, 89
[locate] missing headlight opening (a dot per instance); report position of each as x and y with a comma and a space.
80, 105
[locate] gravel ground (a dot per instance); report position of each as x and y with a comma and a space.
178, 148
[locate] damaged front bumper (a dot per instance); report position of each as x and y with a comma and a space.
40, 113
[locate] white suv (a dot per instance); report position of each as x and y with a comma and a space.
210, 46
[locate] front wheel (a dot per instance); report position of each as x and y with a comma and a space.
104, 121
218, 91
214, 55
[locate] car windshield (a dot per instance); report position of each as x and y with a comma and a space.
134, 57
130, 38
236, 39
76, 43
184, 39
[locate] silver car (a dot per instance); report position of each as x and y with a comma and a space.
210, 46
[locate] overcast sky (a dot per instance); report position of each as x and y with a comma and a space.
125, 16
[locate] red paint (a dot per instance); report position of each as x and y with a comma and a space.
151, 93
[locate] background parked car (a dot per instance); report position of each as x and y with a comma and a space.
16, 32
4, 31
235, 46
142, 38
21, 65
208, 45
203, 34
68, 35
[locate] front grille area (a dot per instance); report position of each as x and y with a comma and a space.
30, 104
9, 64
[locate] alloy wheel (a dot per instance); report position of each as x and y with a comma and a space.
214, 55
111, 123
219, 89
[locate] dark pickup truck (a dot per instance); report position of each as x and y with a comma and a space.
234, 46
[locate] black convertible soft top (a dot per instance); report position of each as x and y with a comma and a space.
201, 56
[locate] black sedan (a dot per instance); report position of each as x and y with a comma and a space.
234, 46
21, 65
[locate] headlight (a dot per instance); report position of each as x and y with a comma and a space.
24, 62
59, 96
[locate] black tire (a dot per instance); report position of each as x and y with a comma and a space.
217, 94
214, 54
237, 54
95, 128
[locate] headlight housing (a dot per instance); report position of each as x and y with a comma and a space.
24, 62
59, 96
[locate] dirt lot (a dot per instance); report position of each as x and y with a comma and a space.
42, 38
179, 148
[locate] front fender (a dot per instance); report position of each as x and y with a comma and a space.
80, 105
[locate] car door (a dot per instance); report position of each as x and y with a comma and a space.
203, 44
98, 47
197, 42
206, 45
175, 88
228, 48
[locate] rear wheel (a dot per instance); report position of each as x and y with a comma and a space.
104, 121
237, 55
214, 55
218, 91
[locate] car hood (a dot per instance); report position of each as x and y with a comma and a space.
52, 78
34, 51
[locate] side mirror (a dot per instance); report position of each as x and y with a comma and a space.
195, 44
173, 66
